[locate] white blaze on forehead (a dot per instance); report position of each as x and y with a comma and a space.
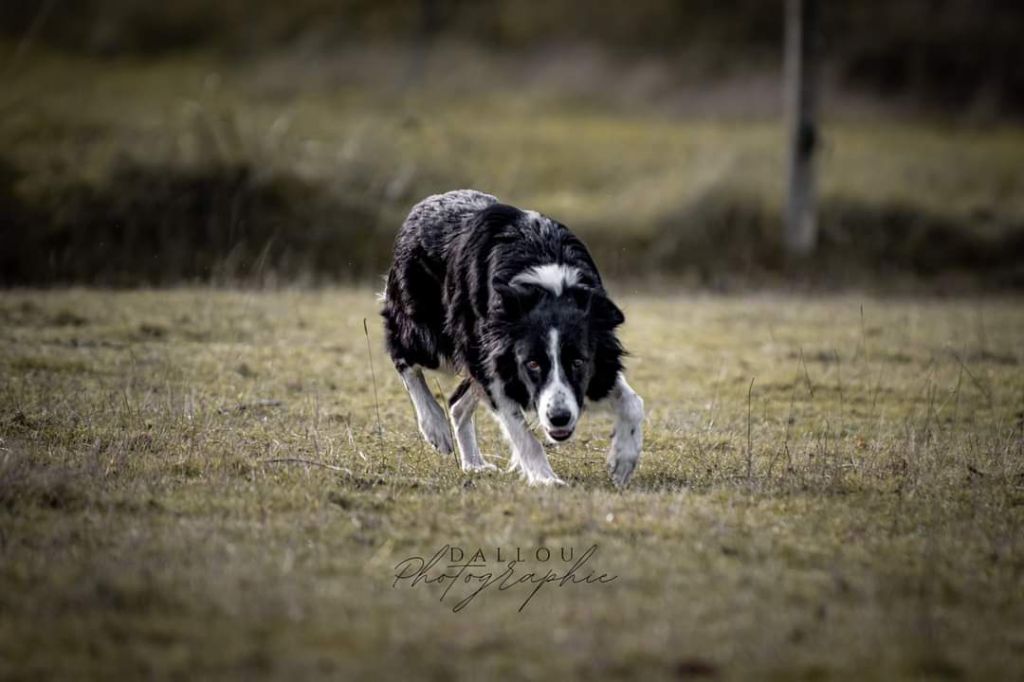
556, 393
552, 276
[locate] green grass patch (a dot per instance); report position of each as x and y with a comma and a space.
856, 512
196, 167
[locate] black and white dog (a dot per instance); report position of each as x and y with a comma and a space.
513, 300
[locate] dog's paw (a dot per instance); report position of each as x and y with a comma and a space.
435, 431
546, 479
621, 470
478, 467
622, 459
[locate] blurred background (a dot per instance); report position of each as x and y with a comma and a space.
260, 142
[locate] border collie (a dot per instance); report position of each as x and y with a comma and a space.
512, 300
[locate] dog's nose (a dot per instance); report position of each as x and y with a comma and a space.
560, 418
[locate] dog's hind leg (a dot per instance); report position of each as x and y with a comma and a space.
429, 415
461, 407
528, 456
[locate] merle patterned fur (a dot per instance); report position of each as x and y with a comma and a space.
449, 298
512, 300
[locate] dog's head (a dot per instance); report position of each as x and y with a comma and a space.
553, 343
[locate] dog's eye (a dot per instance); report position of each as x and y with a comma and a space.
577, 363
533, 366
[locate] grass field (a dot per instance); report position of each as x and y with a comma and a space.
831, 487
170, 170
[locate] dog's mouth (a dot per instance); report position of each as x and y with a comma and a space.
560, 435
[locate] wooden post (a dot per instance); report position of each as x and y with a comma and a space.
800, 234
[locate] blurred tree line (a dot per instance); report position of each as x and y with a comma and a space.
944, 53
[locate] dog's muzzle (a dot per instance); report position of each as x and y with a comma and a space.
559, 424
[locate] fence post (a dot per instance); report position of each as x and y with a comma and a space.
800, 233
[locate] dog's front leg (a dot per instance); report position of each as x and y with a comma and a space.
528, 456
628, 437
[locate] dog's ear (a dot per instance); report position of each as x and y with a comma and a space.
604, 313
598, 307
581, 296
517, 300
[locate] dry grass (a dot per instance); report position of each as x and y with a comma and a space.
291, 166
860, 515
